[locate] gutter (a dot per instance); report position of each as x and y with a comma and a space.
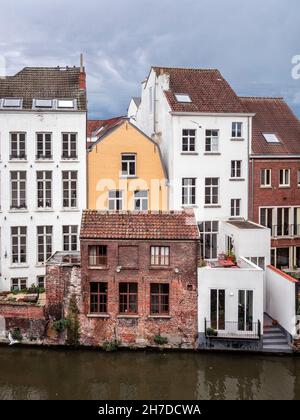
217, 114
275, 157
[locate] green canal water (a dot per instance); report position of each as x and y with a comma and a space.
27, 373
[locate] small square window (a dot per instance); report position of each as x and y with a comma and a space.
183, 98
68, 104
271, 138
12, 103
43, 103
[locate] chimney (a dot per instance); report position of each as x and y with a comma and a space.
82, 75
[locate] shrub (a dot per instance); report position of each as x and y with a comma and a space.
61, 325
210, 332
73, 326
111, 345
161, 341
17, 335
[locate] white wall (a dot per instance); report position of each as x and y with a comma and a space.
31, 123
281, 302
232, 280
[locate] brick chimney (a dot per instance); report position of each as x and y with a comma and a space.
82, 75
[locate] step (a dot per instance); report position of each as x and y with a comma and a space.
276, 347
275, 342
274, 335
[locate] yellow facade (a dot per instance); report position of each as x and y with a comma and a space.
106, 173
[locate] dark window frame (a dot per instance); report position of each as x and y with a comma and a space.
100, 305
126, 304
158, 296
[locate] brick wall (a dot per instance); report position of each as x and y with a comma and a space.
21, 311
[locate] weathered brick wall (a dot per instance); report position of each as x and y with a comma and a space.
21, 311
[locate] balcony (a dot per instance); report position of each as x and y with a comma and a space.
285, 231
233, 330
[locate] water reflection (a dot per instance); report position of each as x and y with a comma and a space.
45, 374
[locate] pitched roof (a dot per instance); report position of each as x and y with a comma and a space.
208, 90
273, 115
98, 128
44, 83
137, 100
173, 225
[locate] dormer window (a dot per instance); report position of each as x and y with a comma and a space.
65, 103
43, 103
271, 138
183, 98
12, 103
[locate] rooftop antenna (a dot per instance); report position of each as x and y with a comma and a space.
81, 63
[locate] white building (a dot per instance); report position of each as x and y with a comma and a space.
43, 169
204, 133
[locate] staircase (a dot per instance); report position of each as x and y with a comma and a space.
274, 339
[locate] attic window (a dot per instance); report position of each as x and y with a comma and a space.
43, 103
69, 104
12, 103
182, 97
271, 138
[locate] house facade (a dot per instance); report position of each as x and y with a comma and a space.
125, 169
43, 170
204, 133
275, 177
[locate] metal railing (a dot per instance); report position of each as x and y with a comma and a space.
285, 230
233, 330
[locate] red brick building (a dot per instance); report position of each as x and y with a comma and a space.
274, 190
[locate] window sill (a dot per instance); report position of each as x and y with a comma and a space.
70, 210
16, 266
284, 186
160, 267
159, 317
44, 161
16, 160
44, 210
189, 153
237, 139
237, 179
133, 316
18, 211
189, 206
75, 160
103, 316
128, 177
98, 267
266, 187
212, 206
212, 154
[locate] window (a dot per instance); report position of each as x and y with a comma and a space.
159, 299
97, 255
128, 298
19, 244
265, 178
188, 191
217, 309
271, 138
235, 207
17, 146
296, 221
236, 169
212, 141
69, 189
298, 177
44, 146
160, 255
183, 98
209, 239
98, 298
43, 103
236, 131
188, 140
284, 178
18, 284
259, 261
65, 103
44, 242
141, 200
69, 146
12, 103
283, 221
282, 258
128, 165
245, 310
70, 235
41, 282
115, 200
44, 189
266, 217
18, 189
211, 190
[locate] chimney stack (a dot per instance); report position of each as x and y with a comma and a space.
82, 75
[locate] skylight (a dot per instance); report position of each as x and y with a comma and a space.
12, 103
271, 138
43, 103
182, 97
65, 103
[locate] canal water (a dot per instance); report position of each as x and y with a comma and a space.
27, 373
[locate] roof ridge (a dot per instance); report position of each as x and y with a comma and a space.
263, 97
186, 68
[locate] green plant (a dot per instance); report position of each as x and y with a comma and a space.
73, 322
230, 255
161, 341
17, 335
61, 324
202, 263
210, 332
111, 345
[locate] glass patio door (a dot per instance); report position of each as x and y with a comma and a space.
245, 310
217, 309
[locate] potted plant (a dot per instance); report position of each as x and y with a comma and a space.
210, 332
231, 257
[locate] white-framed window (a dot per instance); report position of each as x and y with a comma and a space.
266, 217
70, 237
128, 164
17, 145
259, 261
18, 283
69, 179
212, 141
265, 178
141, 200
211, 190
43, 103
160, 255
188, 191
66, 103
209, 239
115, 200
12, 103
43, 146
188, 140
18, 189
183, 98
245, 310
44, 243
44, 189
298, 177
235, 207
283, 227
236, 130
40, 282
236, 169
284, 177
69, 145
19, 244
271, 137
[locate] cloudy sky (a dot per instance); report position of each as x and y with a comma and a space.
251, 42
